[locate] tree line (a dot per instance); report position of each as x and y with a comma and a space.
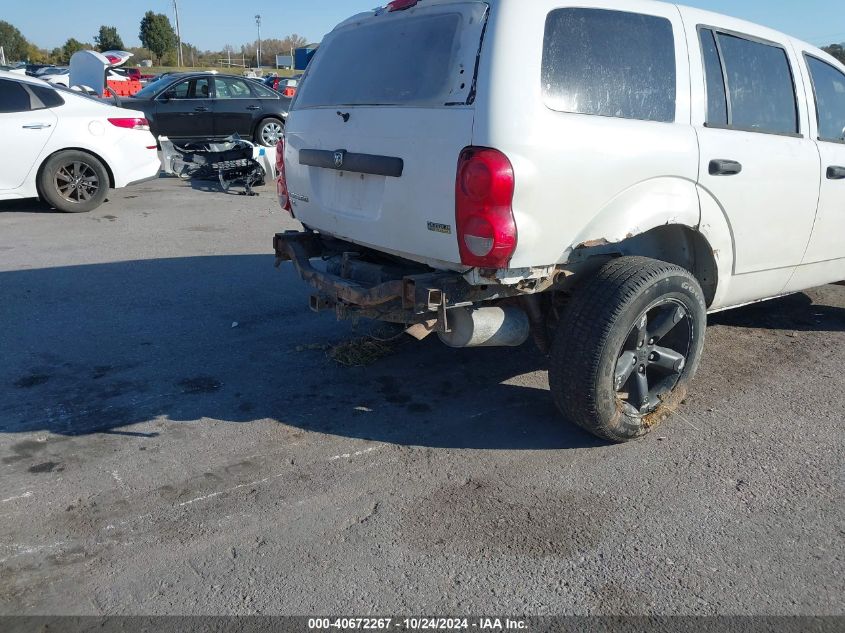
158, 42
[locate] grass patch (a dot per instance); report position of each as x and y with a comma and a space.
364, 351
360, 352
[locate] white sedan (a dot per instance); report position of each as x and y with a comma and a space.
67, 148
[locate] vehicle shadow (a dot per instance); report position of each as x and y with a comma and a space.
26, 205
103, 348
34, 205
796, 312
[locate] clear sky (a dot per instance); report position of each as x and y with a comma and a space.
210, 24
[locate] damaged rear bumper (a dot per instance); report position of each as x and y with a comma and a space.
354, 287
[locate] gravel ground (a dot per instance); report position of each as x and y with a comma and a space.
156, 458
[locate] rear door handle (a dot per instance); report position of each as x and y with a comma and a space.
253, 107
836, 173
37, 126
721, 167
201, 109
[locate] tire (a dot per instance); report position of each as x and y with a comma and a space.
73, 182
638, 309
268, 132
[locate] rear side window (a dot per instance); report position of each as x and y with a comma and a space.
829, 87
757, 83
13, 97
394, 60
609, 63
232, 88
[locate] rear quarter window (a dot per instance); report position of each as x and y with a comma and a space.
48, 97
26, 97
609, 63
262, 92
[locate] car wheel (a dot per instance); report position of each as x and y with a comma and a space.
74, 182
269, 132
627, 347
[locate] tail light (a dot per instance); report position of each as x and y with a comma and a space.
401, 5
131, 124
487, 235
289, 92
281, 180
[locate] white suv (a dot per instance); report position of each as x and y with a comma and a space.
599, 174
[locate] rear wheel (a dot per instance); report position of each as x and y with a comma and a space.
74, 182
628, 347
269, 132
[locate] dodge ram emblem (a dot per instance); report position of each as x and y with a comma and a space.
338, 159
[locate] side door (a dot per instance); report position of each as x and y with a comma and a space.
184, 109
234, 107
828, 241
757, 158
27, 125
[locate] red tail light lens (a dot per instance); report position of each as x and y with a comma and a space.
281, 180
401, 5
131, 124
484, 190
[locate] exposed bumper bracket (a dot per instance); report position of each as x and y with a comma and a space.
400, 298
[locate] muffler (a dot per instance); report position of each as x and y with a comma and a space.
486, 327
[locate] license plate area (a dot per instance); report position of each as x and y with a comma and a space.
348, 193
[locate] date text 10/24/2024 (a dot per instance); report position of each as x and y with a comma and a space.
416, 624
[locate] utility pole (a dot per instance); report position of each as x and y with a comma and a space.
180, 60
258, 52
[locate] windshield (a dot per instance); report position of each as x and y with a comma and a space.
397, 60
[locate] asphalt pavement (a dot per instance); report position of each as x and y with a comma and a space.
175, 439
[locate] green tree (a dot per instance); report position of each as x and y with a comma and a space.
13, 42
37, 55
837, 51
70, 47
108, 39
157, 34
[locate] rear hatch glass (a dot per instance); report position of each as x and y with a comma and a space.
391, 89
396, 62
